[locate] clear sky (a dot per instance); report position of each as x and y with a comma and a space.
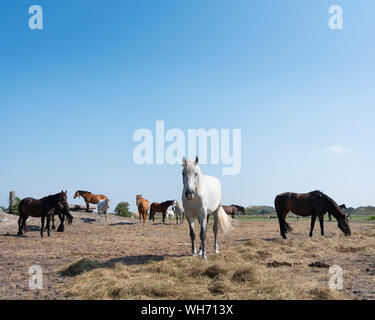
72, 95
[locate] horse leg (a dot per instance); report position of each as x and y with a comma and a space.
87, 206
313, 218
41, 229
203, 222
20, 224
216, 227
48, 225
321, 221
53, 222
329, 217
281, 217
24, 226
192, 237
61, 226
164, 215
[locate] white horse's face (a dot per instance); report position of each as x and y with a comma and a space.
190, 176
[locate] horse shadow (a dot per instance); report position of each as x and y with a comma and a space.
121, 224
128, 261
88, 220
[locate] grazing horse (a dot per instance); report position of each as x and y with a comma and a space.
143, 206
179, 212
231, 210
314, 204
159, 207
61, 214
89, 198
201, 196
44, 208
343, 207
103, 207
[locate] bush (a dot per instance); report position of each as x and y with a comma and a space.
14, 209
122, 209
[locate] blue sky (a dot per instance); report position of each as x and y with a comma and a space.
72, 95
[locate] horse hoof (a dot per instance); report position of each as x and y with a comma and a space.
217, 251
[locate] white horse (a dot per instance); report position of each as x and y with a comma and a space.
179, 211
202, 196
103, 207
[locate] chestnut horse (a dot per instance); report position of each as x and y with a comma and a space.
314, 204
44, 208
143, 206
160, 207
89, 198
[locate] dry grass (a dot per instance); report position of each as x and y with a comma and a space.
257, 269
121, 260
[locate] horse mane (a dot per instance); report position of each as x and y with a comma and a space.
331, 206
82, 191
168, 202
238, 207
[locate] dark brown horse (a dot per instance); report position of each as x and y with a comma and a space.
89, 198
160, 207
231, 210
61, 213
314, 204
43, 208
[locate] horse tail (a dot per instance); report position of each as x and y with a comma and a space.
225, 223
20, 208
70, 217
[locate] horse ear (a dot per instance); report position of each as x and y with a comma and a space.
183, 161
196, 160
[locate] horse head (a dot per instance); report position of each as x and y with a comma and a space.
77, 194
190, 177
343, 224
138, 199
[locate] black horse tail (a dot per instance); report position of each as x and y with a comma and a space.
69, 216
20, 208
284, 227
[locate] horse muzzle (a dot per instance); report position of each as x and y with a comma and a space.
190, 195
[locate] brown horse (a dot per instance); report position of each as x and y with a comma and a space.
160, 207
231, 210
143, 206
314, 204
89, 198
44, 208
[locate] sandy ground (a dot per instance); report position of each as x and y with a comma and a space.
122, 240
